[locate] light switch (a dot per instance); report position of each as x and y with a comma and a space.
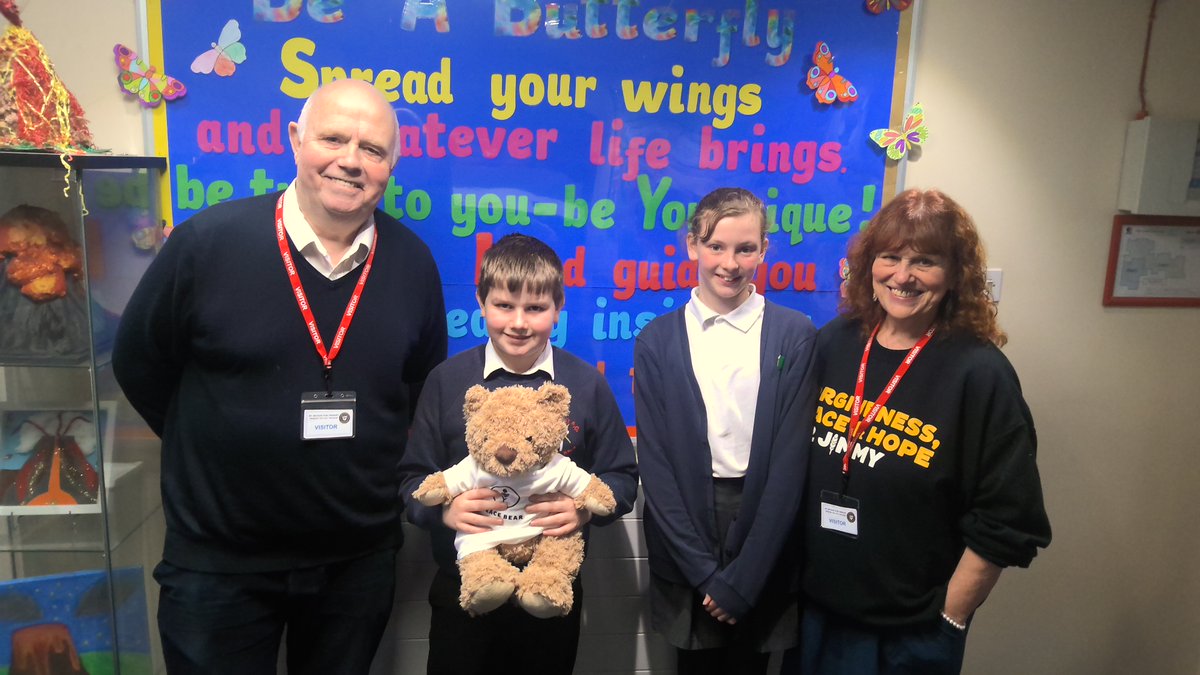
994, 278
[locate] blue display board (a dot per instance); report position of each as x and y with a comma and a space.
595, 126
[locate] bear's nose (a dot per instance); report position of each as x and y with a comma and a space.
505, 455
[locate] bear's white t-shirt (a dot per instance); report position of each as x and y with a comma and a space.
559, 475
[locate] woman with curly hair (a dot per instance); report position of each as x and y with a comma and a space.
922, 480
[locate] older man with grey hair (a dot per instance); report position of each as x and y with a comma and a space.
277, 345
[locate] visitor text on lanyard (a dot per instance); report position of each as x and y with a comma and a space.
310, 321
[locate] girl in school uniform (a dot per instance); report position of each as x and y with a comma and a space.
724, 391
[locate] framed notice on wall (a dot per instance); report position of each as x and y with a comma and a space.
1153, 261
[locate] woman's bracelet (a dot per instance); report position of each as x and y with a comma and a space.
952, 622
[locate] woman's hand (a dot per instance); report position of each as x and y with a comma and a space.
467, 513
716, 612
969, 586
556, 514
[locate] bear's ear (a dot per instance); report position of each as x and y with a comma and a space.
555, 397
475, 397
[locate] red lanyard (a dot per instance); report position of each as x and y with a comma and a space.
302, 300
855, 430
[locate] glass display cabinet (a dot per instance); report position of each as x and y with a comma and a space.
80, 513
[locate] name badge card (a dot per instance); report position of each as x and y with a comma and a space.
327, 415
839, 513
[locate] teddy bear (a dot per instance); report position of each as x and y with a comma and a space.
513, 437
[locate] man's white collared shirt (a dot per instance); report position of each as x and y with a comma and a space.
310, 247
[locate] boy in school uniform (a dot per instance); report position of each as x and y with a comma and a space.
520, 294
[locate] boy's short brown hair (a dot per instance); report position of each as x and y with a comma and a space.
518, 263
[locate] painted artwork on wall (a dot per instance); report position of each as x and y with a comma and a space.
50, 458
63, 624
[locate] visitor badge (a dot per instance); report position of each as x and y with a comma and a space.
839, 513
327, 415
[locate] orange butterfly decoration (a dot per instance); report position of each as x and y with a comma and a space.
881, 6
824, 78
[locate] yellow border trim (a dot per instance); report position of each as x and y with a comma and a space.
891, 172
159, 114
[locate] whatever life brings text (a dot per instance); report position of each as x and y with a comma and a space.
587, 19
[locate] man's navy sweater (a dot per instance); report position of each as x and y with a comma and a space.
214, 353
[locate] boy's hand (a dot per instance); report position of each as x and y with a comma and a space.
556, 514
467, 512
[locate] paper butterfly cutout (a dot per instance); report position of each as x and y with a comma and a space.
225, 54
900, 142
145, 238
146, 235
881, 6
142, 80
825, 79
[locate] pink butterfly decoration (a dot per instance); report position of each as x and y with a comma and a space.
140, 79
225, 54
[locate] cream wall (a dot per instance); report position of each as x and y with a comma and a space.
1027, 101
